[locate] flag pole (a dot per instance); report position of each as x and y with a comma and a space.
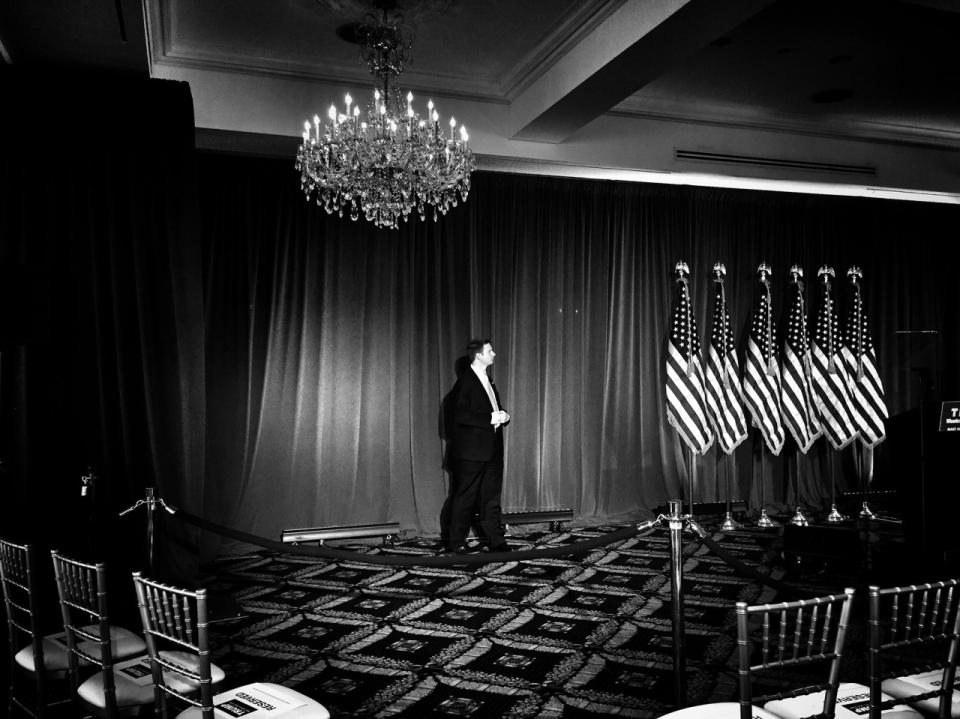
803, 379
764, 272
684, 385
833, 427
724, 406
834, 515
799, 518
859, 457
729, 523
764, 520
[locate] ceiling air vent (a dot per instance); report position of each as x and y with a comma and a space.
753, 161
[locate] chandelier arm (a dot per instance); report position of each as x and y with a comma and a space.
391, 163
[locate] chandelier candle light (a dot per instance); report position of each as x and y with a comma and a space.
385, 161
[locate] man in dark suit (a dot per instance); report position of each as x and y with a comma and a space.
476, 450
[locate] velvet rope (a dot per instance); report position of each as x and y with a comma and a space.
742, 568
456, 560
575, 549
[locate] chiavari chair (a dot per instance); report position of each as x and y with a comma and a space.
183, 673
915, 628
29, 648
784, 635
93, 641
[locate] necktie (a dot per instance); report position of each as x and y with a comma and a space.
485, 381
487, 386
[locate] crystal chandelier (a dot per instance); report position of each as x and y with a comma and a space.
384, 161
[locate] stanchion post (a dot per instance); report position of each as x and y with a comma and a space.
150, 502
676, 521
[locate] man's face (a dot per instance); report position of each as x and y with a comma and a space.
485, 358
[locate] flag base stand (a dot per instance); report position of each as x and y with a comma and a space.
729, 523
866, 512
765, 521
835, 515
799, 519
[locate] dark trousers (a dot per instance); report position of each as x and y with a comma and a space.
475, 488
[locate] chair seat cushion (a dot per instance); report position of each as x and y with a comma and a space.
133, 680
246, 698
129, 692
906, 686
55, 657
718, 710
190, 661
123, 644
853, 701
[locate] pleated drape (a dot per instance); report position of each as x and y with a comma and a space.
189, 322
331, 345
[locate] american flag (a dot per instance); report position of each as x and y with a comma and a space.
684, 386
799, 413
761, 376
860, 365
724, 392
831, 395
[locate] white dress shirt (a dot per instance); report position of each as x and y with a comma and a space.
481, 373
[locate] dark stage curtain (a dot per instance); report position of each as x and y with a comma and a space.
331, 345
188, 321
102, 328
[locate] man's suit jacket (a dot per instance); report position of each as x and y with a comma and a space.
474, 438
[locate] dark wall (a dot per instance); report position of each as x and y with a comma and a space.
96, 201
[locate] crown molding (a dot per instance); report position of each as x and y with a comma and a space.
564, 36
437, 83
164, 52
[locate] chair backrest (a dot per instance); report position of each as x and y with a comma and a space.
82, 589
23, 627
922, 621
785, 634
176, 618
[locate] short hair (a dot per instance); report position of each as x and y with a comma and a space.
475, 347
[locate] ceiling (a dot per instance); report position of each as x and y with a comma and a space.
842, 96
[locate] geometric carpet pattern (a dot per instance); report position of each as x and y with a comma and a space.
586, 636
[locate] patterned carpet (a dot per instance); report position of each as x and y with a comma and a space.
588, 636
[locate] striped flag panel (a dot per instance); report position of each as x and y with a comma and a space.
686, 409
830, 392
799, 413
863, 379
724, 391
761, 376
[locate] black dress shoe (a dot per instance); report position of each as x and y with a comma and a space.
462, 548
497, 548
